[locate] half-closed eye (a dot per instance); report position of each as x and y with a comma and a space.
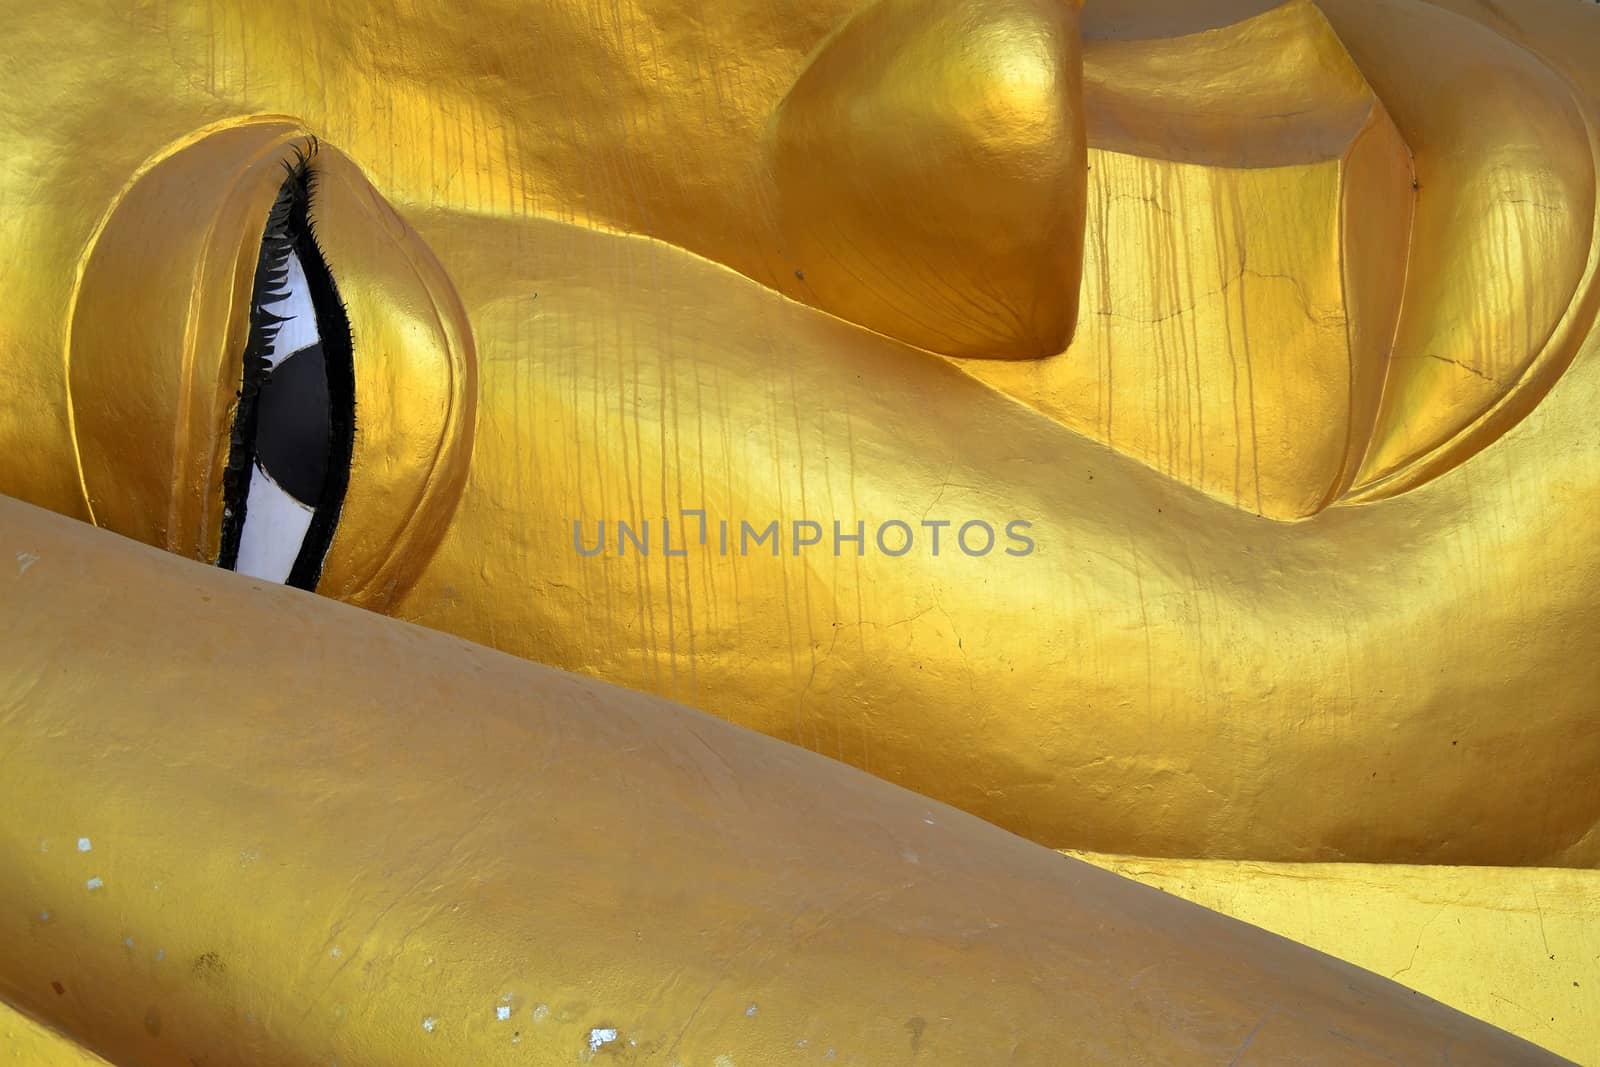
292, 439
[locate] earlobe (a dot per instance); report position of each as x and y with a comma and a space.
416, 388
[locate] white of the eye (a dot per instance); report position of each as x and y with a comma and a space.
301, 328
275, 526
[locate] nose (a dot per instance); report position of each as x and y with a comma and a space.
931, 168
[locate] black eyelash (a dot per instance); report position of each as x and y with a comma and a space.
289, 230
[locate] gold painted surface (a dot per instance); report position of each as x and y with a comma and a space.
416, 388
1243, 266
1517, 948
26, 1043
157, 338
1166, 674
1501, 288
1157, 672
268, 829
159, 326
930, 174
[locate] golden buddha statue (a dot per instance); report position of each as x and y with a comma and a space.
1159, 429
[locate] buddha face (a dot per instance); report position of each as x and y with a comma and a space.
1200, 472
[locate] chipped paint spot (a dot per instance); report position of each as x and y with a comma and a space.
750, 1012
916, 1026
429, 1023
601, 1035
44, 916
336, 952
161, 954
541, 1013
24, 561
723, 1060
84, 845
94, 883
127, 942
502, 1013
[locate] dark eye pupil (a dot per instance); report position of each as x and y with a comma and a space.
294, 424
